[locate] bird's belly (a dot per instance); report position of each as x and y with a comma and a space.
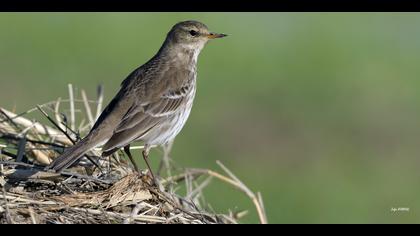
168, 129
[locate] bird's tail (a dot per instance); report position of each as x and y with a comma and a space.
71, 155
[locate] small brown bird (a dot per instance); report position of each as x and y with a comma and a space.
154, 101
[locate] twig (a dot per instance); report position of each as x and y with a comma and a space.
100, 92
14, 138
82, 123
165, 162
66, 134
144, 218
25, 200
72, 113
4, 113
76, 134
200, 188
197, 173
57, 113
32, 214
233, 180
17, 163
134, 213
163, 196
21, 149
41, 172
90, 178
245, 189
41, 129
6, 207
140, 147
87, 107
26, 130
55, 124
260, 199
188, 183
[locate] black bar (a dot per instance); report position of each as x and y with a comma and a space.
209, 6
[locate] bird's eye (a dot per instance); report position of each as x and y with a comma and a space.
193, 33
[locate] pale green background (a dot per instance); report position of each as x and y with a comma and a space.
318, 111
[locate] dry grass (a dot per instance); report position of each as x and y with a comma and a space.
96, 190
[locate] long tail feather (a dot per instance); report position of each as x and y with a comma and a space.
71, 155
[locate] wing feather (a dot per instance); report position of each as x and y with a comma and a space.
141, 118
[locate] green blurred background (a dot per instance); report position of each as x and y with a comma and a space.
318, 111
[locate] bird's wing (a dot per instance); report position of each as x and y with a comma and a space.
167, 104
143, 117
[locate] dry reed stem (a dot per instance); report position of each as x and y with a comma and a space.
87, 108
6, 207
100, 101
257, 202
72, 110
41, 129
231, 180
57, 114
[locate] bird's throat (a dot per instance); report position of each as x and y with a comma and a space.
188, 55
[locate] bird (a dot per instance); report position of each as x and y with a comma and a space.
153, 103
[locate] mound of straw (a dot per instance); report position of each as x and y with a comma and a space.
96, 190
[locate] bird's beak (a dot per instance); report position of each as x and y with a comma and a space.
215, 35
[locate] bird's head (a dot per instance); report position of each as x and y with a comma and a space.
191, 34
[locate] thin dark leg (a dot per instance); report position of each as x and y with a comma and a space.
145, 157
127, 151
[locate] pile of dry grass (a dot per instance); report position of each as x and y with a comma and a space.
96, 190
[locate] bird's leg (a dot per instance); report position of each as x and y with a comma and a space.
127, 151
145, 153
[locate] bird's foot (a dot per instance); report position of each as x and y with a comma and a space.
149, 179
